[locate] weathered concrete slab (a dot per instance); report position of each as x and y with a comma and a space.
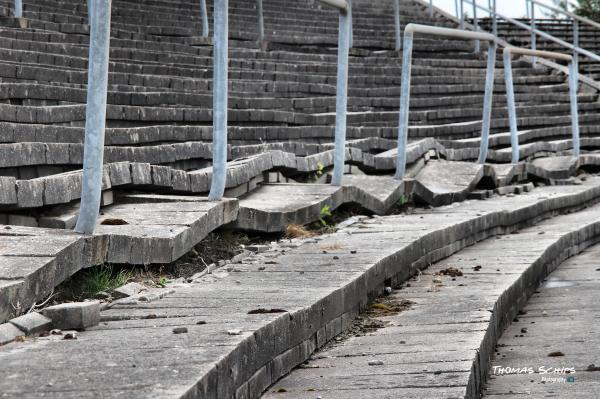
232, 347
441, 182
139, 229
273, 207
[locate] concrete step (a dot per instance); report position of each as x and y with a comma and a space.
138, 229
226, 328
442, 343
564, 304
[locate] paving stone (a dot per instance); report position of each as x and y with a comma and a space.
32, 323
8, 333
74, 315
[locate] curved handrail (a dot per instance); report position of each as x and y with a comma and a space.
409, 32
510, 94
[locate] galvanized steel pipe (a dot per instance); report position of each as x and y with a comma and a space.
341, 98
18, 8
95, 118
220, 67
510, 96
90, 8
261, 21
487, 102
204, 16
397, 24
409, 32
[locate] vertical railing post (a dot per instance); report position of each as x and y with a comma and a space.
261, 21
90, 8
456, 10
527, 10
487, 102
95, 118
220, 69
430, 8
351, 25
341, 97
476, 26
18, 8
404, 105
576, 43
462, 15
512, 111
397, 23
533, 37
204, 16
573, 83
494, 19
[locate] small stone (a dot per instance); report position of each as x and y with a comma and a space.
387, 290
70, 335
55, 332
127, 290
336, 258
201, 323
544, 313
375, 363
75, 315
234, 332
180, 330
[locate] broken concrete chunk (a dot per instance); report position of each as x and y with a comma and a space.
77, 316
32, 323
127, 290
8, 333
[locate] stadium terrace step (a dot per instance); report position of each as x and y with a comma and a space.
234, 346
564, 304
138, 229
442, 183
441, 343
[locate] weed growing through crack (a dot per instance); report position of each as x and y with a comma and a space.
88, 283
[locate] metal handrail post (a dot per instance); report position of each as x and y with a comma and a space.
528, 14
533, 36
220, 69
456, 10
476, 26
573, 84
404, 105
461, 25
204, 16
397, 23
341, 103
487, 102
261, 21
95, 118
18, 8
90, 10
430, 8
576, 43
409, 32
351, 24
494, 19
510, 96
512, 110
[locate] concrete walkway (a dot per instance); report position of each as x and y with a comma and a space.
439, 347
250, 323
556, 332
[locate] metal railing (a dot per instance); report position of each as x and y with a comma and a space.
95, 117
18, 8
409, 32
575, 21
220, 92
534, 31
510, 95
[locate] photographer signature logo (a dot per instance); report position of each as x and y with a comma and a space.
551, 375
